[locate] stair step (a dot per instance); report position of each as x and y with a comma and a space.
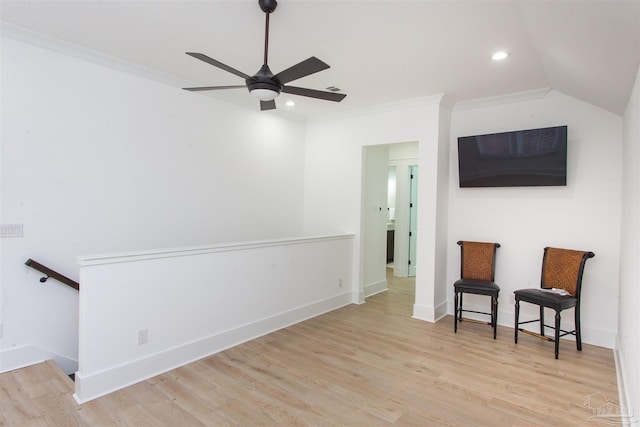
60, 373
35, 390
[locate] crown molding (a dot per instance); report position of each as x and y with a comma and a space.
40, 40
502, 99
382, 108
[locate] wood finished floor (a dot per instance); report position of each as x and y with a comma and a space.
366, 365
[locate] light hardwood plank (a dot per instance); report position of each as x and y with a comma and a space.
361, 365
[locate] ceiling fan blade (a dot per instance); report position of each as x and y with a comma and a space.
196, 89
301, 69
312, 93
218, 64
267, 105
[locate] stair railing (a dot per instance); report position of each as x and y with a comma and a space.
52, 274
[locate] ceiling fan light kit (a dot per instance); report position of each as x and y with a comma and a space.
263, 86
266, 86
264, 94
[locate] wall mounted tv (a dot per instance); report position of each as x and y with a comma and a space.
532, 157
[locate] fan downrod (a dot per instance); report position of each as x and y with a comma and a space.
264, 84
268, 6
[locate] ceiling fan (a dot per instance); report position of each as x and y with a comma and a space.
266, 86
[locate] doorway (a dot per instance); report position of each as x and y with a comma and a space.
402, 231
388, 240
413, 219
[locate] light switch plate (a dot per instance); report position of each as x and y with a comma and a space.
11, 230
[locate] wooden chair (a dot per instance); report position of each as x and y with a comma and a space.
560, 286
477, 275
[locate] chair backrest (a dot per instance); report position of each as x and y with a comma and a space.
478, 260
563, 269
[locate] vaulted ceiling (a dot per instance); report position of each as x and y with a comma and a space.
379, 51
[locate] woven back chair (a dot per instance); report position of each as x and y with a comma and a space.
560, 286
477, 275
478, 260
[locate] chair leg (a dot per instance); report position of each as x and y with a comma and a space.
542, 320
455, 313
460, 310
494, 315
517, 320
578, 333
557, 332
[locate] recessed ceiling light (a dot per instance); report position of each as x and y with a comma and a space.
290, 103
499, 56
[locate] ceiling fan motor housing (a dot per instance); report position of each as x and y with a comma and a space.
268, 6
264, 80
266, 86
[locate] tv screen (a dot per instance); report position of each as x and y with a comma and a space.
532, 157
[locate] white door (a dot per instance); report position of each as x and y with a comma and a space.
413, 219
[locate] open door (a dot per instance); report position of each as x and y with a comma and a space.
413, 219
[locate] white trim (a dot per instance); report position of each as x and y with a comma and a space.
27, 355
85, 260
590, 335
98, 384
502, 99
440, 311
623, 396
422, 312
375, 288
24, 35
379, 109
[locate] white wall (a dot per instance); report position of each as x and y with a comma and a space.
333, 181
442, 211
375, 161
196, 301
391, 194
96, 160
584, 215
628, 344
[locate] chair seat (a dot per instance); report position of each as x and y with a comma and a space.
478, 287
546, 299
560, 268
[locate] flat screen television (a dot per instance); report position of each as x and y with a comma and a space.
532, 157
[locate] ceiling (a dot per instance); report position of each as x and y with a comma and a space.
380, 52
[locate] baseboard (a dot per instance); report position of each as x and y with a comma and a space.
430, 314
375, 288
627, 414
358, 297
590, 334
27, 355
440, 311
92, 386
506, 317
422, 312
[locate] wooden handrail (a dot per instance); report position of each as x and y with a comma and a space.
52, 274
